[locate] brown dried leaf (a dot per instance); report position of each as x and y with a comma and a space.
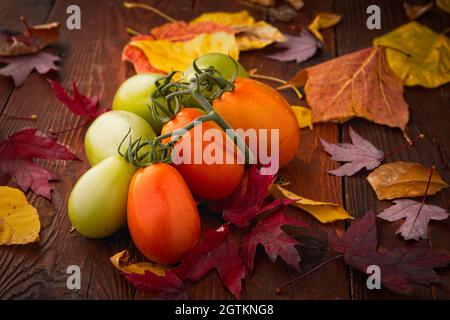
359, 84
416, 11
404, 179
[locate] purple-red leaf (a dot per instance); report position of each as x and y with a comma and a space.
299, 48
248, 200
79, 103
20, 67
275, 241
216, 251
417, 215
16, 160
167, 287
359, 154
401, 268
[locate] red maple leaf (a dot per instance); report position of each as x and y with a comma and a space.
401, 268
16, 160
275, 241
248, 200
167, 287
216, 251
79, 104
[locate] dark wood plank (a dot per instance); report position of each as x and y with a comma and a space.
429, 113
10, 11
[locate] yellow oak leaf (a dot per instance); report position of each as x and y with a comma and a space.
404, 179
322, 211
417, 54
250, 34
121, 261
322, 21
19, 221
167, 56
304, 116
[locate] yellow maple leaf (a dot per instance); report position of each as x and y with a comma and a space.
322, 21
250, 35
19, 221
404, 179
166, 55
120, 261
304, 116
417, 54
322, 211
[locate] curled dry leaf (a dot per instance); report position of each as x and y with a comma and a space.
19, 68
402, 268
275, 241
417, 216
322, 211
282, 13
298, 49
404, 179
417, 54
34, 39
359, 84
181, 31
149, 277
416, 11
17, 154
165, 55
304, 116
359, 154
19, 220
444, 5
322, 21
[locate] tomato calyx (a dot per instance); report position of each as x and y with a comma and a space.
172, 93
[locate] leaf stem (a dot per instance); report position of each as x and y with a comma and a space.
252, 73
131, 5
70, 129
33, 117
323, 264
403, 146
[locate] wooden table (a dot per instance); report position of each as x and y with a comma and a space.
91, 58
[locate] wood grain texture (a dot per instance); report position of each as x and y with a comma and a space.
91, 58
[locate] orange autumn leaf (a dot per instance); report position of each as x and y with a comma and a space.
138, 58
181, 31
359, 84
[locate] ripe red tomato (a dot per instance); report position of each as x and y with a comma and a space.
207, 181
162, 215
255, 105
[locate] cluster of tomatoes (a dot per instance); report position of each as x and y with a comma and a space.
158, 201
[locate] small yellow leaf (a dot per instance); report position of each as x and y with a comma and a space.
167, 56
417, 55
322, 21
322, 211
444, 5
304, 116
250, 35
19, 221
403, 180
120, 261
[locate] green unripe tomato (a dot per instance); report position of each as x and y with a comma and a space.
98, 201
221, 62
133, 95
105, 134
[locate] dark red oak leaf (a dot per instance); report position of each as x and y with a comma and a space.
401, 268
16, 160
79, 103
275, 241
167, 287
359, 154
20, 67
218, 252
248, 201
